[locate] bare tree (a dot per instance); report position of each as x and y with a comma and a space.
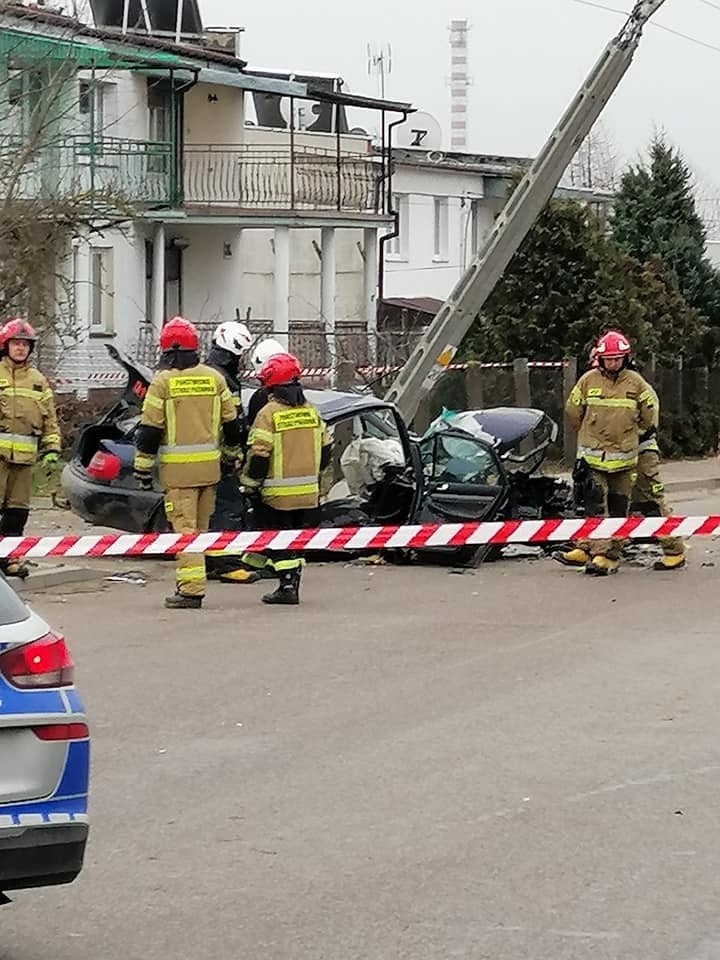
595, 165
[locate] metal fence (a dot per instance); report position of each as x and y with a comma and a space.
137, 171
306, 179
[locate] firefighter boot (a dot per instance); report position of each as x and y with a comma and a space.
576, 557
674, 562
180, 601
288, 591
602, 566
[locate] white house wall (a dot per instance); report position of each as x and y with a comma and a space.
415, 270
213, 115
215, 284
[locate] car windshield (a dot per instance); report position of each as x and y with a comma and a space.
450, 458
12, 609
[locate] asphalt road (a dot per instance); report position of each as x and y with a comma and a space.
519, 762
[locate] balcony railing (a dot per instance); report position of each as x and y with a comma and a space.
121, 171
253, 177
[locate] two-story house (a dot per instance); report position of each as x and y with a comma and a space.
211, 189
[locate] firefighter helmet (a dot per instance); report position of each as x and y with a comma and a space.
613, 344
17, 329
233, 336
263, 351
278, 369
178, 334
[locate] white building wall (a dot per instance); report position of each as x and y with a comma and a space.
214, 115
415, 264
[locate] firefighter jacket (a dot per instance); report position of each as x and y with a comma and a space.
609, 415
288, 447
648, 438
28, 423
183, 414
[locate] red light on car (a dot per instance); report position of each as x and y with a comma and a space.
53, 732
43, 663
104, 466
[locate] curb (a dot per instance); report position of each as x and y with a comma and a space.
58, 576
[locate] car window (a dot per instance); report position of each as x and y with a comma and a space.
460, 460
12, 609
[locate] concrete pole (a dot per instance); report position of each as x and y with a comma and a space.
370, 291
281, 286
158, 281
327, 296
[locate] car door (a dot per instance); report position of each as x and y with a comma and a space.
464, 479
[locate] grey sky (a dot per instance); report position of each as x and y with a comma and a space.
526, 58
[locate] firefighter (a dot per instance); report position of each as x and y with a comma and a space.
28, 431
231, 341
648, 493
288, 447
251, 567
185, 408
610, 406
261, 354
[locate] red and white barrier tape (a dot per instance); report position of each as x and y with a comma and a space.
361, 538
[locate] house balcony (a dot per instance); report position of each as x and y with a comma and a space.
111, 172
254, 177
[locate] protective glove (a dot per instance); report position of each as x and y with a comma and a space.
144, 479
50, 458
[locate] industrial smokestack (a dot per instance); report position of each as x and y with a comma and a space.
459, 83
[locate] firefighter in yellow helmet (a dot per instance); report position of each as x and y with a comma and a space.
610, 406
186, 408
648, 493
28, 431
288, 448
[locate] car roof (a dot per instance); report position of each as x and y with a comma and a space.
334, 405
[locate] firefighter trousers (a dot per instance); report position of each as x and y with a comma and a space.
188, 510
15, 493
608, 496
648, 499
282, 563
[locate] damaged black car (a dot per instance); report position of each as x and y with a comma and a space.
468, 466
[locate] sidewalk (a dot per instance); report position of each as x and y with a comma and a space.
679, 476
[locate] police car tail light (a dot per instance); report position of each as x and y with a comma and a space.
45, 662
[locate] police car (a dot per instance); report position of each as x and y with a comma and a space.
44, 753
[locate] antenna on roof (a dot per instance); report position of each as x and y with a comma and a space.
380, 64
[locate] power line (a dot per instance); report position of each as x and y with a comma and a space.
658, 26
709, 3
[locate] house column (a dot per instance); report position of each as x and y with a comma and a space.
158, 278
327, 296
370, 290
281, 285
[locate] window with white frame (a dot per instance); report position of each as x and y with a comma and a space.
398, 246
441, 229
102, 291
27, 101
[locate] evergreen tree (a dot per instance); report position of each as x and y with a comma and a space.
655, 216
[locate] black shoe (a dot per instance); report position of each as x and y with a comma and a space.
179, 601
283, 595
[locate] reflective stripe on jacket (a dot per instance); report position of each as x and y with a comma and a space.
609, 415
189, 406
28, 423
292, 439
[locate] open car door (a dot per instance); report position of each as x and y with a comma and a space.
464, 479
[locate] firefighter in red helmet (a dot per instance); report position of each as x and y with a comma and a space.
289, 446
609, 407
28, 430
189, 423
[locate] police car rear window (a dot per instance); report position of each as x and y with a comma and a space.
12, 609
